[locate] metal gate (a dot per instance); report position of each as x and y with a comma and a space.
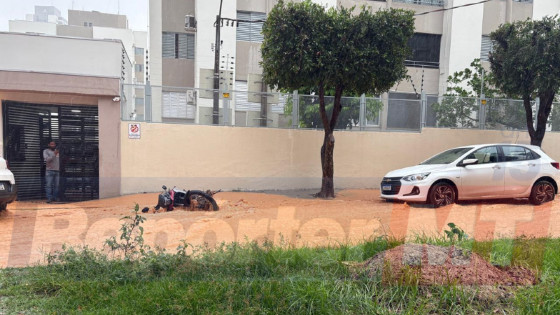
28, 128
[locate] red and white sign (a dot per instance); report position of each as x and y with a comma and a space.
133, 131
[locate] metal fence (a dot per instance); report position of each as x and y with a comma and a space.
393, 112
438, 3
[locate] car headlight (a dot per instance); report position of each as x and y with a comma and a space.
416, 177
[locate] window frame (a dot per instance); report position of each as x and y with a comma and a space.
254, 29
179, 40
498, 155
413, 61
534, 155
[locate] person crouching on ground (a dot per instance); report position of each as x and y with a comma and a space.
52, 173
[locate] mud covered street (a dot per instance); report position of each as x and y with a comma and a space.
31, 229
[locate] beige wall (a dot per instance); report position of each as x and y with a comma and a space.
174, 11
375, 5
495, 14
431, 23
58, 83
178, 72
78, 18
248, 58
48, 98
255, 5
109, 144
522, 11
500, 12
74, 31
255, 158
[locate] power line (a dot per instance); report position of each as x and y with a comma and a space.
452, 8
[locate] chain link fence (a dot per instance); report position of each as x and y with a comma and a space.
395, 112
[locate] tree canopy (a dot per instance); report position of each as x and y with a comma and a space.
306, 46
526, 64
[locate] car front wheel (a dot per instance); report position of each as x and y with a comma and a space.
442, 194
542, 192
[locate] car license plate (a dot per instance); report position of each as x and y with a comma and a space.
386, 187
2, 187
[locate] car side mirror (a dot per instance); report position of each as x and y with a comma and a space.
466, 162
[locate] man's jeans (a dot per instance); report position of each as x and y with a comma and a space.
51, 184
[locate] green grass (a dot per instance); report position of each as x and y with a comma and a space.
265, 279
260, 279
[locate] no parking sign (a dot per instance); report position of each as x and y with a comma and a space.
133, 131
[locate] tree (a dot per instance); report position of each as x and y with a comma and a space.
459, 106
526, 64
304, 45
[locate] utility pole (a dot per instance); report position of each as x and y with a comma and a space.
216, 106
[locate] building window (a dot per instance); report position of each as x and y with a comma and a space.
178, 46
138, 68
424, 50
242, 102
175, 106
139, 51
485, 48
250, 31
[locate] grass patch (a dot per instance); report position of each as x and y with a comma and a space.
263, 278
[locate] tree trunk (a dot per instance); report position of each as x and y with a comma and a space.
545, 107
327, 165
327, 150
529, 118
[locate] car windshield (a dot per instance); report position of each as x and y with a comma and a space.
446, 157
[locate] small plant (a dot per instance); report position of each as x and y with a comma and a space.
455, 231
182, 249
131, 241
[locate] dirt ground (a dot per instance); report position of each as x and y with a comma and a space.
429, 264
28, 230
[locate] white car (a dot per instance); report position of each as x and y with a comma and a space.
487, 171
8, 189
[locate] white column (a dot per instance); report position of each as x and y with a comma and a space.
155, 56
461, 38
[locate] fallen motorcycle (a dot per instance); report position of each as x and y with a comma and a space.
192, 199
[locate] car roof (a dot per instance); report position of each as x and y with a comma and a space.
533, 147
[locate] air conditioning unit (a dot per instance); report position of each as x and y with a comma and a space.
191, 97
190, 22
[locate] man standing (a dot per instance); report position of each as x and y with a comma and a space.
52, 174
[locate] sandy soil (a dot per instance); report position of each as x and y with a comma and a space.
429, 264
28, 230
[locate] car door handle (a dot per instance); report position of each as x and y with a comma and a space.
532, 164
496, 167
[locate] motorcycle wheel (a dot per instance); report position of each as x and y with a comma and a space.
202, 201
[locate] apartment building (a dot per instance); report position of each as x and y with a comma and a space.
92, 24
449, 35
98, 25
46, 14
